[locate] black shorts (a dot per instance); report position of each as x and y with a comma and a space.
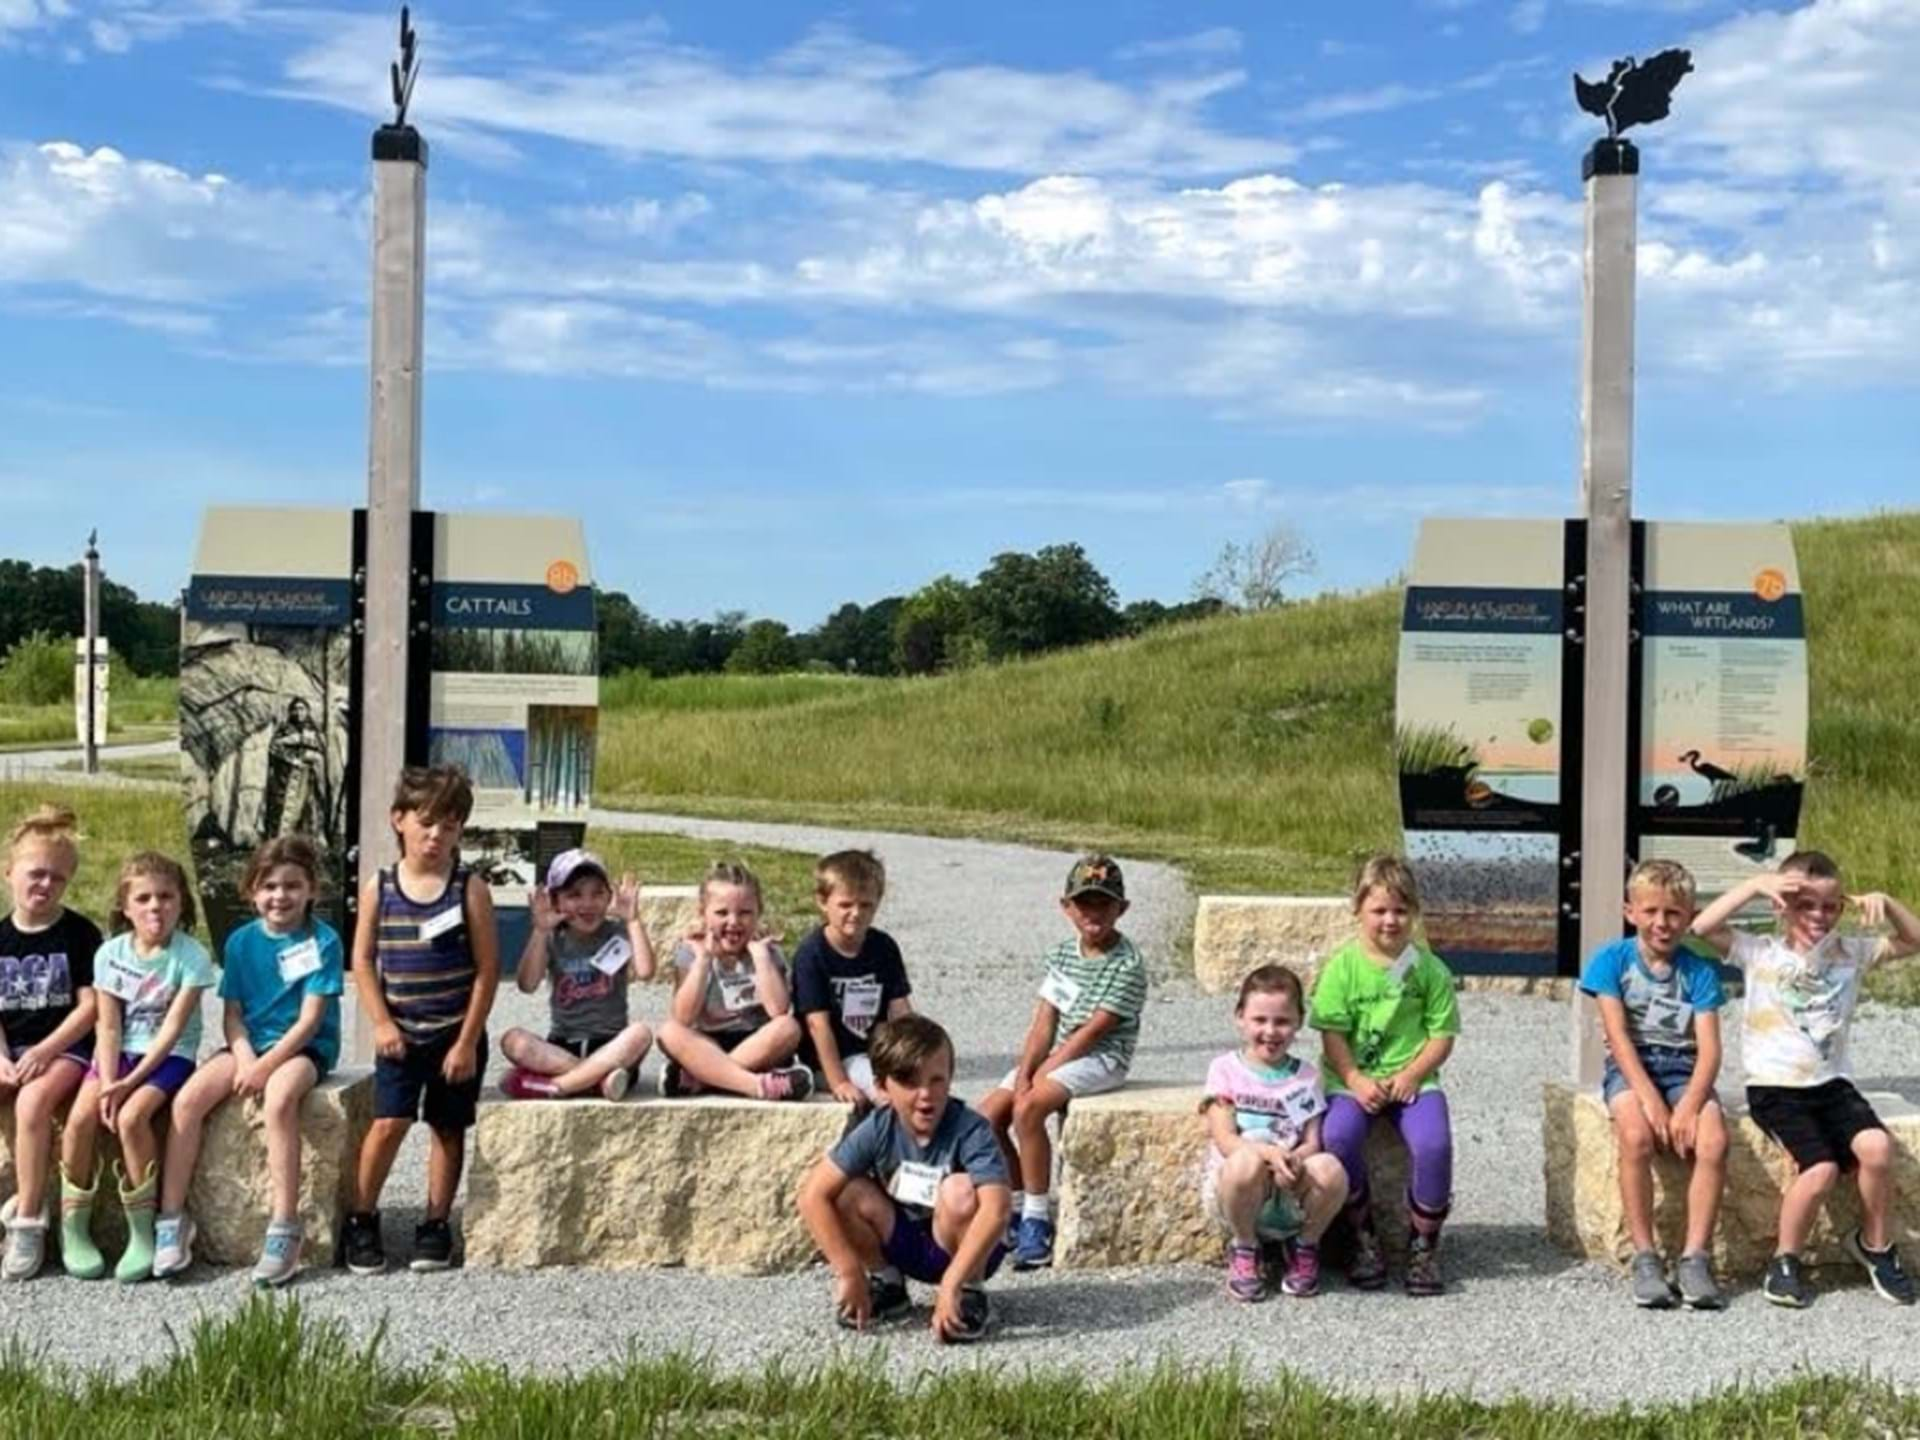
306, 1052
1817, 1123
580, 1047
400, 1085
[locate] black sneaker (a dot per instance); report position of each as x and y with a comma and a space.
1786, 1283
975, 1317
886, 1300
1889, 1276
360, 1240
676, 1084
432, 1245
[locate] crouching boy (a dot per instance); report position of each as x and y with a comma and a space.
917, 1190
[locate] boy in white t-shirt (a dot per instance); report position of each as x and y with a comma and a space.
1802, 985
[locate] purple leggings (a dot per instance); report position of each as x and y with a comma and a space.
1424, 1127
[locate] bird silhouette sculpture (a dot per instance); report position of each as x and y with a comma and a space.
404, 71
1634, 93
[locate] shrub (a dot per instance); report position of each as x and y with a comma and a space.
38, 670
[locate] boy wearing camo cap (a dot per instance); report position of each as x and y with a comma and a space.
1080, 1043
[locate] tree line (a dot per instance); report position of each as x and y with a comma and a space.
40, 599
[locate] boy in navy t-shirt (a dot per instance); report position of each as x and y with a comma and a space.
1660, 1009
917, 1190
847, 976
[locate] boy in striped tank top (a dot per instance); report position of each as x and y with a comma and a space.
426, 960
1080, 1043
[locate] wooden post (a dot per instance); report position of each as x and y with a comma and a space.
1606, 500
90, 607
393, 492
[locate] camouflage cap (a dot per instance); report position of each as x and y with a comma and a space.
1096, 875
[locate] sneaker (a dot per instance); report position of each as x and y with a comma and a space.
1889, 1276
172, 1245
789, 1082
1694, 1275
432, 1246
1423, 1265
365, 1252
279, 1254
1366, 1266
1786, 1283
1244, 1279
676, 1084
886, 1300
976, 1316
26, 1247
1650, 1288
1302, 1277
518, 1084
1034, 1249
616, 1085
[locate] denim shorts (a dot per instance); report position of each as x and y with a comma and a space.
1670, 1070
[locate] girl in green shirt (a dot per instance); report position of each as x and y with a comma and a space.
1385, 1009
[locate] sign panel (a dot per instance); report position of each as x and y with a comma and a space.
1723, 762
266, 652
100, 691
515, 688
1477, 739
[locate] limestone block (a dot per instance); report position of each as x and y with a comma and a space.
666, 911
1130, 1164
708, 1183
1584, 1213
231, 1195
1235, 934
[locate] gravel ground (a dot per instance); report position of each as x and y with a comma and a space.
1520, 1316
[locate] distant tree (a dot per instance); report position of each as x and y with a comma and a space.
766, 648
875, 653
1254, 576
837, 639
143, 634
622, 628
1023, 604
930, 627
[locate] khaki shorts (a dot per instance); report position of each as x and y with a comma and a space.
1089, 1075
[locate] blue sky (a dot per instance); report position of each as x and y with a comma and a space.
799, 305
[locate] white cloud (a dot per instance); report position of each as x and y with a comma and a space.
1527, 16
1219, 41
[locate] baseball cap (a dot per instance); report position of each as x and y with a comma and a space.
571, 864
1096, 875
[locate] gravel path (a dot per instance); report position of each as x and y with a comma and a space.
972, 917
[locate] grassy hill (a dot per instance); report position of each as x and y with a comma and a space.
1254, 750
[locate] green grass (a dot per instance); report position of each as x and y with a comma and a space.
266, 1370
138, 705
1256, 751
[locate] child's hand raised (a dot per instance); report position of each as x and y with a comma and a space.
626, 899
1872, 907
546, 916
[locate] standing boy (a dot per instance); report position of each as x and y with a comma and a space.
426, 960
1803, 982
1660, 1009
1095, 988
847, 975
917, 1190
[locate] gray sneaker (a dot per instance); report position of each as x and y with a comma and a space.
172, 1245
279, 1254
1650, 1288
26, 1248
1694, 1275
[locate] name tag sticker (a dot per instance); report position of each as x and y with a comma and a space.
118, 979
296, 962
737, 993
860, 1000
445, 923
1669, 1017
1060, 992
916, 1184
613, 956
1302, 1105
1401, 967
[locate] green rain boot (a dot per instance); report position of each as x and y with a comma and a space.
78, 1253
140, 1201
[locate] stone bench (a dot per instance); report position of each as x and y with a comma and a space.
1235, 934
231, 1195
1584, 1213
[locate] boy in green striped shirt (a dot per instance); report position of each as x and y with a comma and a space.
1080, 1043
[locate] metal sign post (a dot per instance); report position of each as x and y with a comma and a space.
90, 603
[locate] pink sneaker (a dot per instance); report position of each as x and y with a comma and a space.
520, 1084
1303, 1271
1245, 1279
791, 1082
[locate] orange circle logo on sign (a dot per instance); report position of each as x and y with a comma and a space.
1770, 584
562, 576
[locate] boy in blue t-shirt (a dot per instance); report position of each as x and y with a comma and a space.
917, 1190
1660, 1010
